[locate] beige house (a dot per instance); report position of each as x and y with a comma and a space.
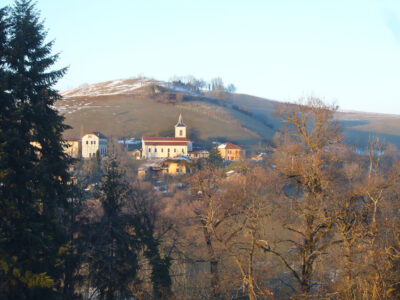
165, 147
93, 142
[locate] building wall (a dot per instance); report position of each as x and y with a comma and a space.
230, 154
180, 131
72, 148
91, 143
222, 152
199, 154
162, 151
175, 168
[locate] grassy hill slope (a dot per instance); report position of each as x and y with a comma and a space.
137, 107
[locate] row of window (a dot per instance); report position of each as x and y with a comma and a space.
102, 151
162, 150
91, 142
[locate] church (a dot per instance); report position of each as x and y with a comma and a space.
164, 147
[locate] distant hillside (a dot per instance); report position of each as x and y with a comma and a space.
136, 107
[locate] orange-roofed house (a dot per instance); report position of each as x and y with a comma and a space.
164, 147
229, 151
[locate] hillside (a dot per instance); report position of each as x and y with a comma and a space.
136, 107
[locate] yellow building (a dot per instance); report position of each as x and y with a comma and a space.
72, 147
176, 167
229, 151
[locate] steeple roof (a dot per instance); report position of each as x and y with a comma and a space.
180, 122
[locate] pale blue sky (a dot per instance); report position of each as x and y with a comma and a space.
343, 51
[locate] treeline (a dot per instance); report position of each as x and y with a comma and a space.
214, 87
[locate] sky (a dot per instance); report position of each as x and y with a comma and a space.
346, 52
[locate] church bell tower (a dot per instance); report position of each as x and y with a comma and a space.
180, 128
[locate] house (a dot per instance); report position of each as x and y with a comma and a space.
229, 151
166, 147
177, 166
171, 166
92, 143
199, 154
136, 154
72, 147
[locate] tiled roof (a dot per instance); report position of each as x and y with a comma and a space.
229, 146
98, 134
166, 139
166, 143
199, 151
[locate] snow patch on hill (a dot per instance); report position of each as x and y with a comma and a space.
113, 87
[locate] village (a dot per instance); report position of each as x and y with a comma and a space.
160, 155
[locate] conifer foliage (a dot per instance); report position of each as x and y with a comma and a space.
114, 243
33, 168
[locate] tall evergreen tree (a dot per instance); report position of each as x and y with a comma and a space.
215, 158
33, 168
143, 207
113, 259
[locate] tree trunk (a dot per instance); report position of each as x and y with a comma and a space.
213, 263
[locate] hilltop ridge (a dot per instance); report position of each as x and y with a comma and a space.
143, 106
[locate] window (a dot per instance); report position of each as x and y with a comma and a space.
162, 149
183, 150
87, 142
94, 142
168, 150
175, 150
155, 149
180, 132
149, 149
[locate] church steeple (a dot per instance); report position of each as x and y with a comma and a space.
180, 122
180, 128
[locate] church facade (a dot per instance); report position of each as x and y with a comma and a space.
164, 147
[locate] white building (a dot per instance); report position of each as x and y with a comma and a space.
93, 142
164, 147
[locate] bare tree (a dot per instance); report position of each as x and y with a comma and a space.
306, 157
205, 186
245, 198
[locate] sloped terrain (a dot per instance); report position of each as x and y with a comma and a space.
136, 107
